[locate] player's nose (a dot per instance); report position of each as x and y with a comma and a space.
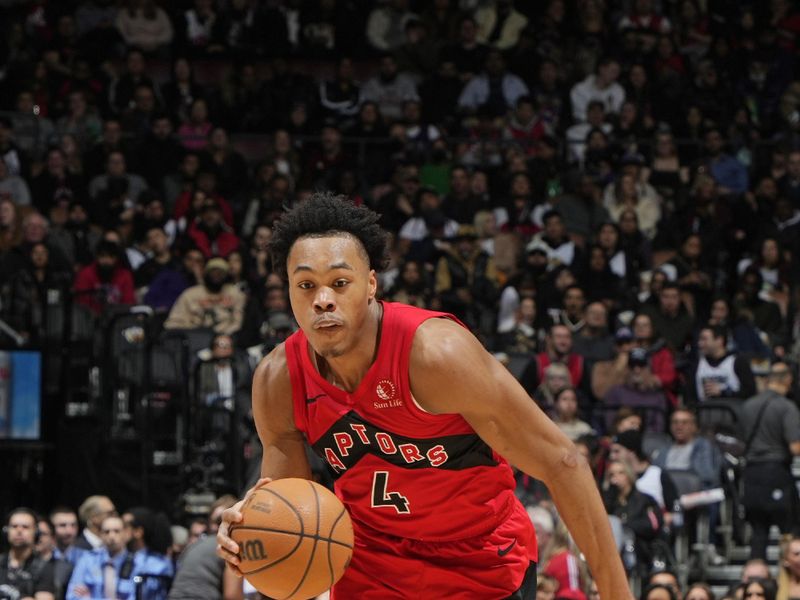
324, 300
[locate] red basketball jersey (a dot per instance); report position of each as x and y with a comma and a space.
400, 470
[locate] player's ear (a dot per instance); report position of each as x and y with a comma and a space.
373, 284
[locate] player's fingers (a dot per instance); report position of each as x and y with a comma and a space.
230, 515
225, 552
259, 483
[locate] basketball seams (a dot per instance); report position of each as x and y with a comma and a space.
313, 548
281, 524
311, 536
333, 528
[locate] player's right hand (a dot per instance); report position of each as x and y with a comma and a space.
227, 549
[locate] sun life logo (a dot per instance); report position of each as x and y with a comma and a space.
385, 390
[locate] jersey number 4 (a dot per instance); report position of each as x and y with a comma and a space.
380, 497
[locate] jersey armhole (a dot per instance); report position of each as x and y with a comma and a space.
293, 362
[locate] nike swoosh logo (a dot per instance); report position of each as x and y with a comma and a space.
507, 549
310, 400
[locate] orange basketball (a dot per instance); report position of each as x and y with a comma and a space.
295, 540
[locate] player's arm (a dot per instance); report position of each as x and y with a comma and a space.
284, 449
452, 373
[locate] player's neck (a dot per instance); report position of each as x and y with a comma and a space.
347, 371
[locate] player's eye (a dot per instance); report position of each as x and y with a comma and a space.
340, 283
305, 285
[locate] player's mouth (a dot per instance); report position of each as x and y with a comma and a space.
328, 324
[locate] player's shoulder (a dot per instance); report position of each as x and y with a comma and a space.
439, 342
272, 373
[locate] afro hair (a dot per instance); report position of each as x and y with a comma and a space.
325, 214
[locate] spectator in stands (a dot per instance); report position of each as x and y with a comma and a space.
755, 568
116, 169
170, 283
574, 312
108, 571
386, 25
269, 205
671, 320
13, 187
199, 30
92, 512
772, 424
602, 86
789, 569
23, 573
411, 286
658, 592
193, 134
39, 284
228, 164
650, 479
466, 281
789, 182
628, 193
718, 373
640, 387
121, 91
460, 204
639, 513
690, 451
729, 174
105, 282
525, 125
555, 378
699, 591
54, 182
160, 258
214, 303
389, 89
558, 349
500, 24
495, 90
560, 248
202, 574
144, 25
80, 121
760, 588
45, 548
566, 414
325, 164
209, 232
593, 341
65, 534
149, 538
667, 578
340, 97
525, 336
419, 55
751, 306
562, 561
160, 152
96, 157
26, 135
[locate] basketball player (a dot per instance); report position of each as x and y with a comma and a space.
417, 421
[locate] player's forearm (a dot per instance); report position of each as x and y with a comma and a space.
579, 504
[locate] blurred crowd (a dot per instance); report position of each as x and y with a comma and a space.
607, 192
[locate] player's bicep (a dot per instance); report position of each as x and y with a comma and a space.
452, 373
284, 452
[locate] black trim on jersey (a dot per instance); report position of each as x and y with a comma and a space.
464, 451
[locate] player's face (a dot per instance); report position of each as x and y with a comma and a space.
330, 289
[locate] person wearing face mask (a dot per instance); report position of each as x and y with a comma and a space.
214, 303
105, 281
